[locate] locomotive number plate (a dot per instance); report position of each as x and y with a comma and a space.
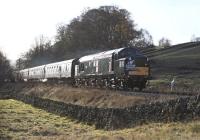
140, 71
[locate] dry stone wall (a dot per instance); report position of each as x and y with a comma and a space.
179, 109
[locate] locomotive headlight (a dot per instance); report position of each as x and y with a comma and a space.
147, 63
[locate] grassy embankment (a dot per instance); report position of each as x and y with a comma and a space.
183, 63
22, 121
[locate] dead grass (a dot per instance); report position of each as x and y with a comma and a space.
89, 97
189, 85
22, 121
180, 63
82, 96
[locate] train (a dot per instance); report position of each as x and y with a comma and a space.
120, 68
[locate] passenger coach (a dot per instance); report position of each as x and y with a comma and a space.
61, 70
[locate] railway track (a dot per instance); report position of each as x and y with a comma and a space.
124, 91
154, 95
6, 91
147, 96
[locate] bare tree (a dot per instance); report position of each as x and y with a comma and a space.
195, 39
5, 68
164, 42
39, 54
144, 39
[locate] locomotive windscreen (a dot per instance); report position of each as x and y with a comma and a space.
128, 52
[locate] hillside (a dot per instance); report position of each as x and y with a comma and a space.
181, 61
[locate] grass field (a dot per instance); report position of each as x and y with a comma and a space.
181, 63
22, 121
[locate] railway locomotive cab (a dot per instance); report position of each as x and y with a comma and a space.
120, 68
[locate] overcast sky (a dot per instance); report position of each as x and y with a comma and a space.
21, 21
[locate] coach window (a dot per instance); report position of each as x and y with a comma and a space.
81, 67
121, 64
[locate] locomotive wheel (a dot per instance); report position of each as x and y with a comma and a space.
140, 88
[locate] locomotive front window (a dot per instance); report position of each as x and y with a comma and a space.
128, 53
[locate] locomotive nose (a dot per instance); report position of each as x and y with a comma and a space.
137, 66
130, 64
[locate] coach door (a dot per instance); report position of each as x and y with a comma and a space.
97, 66
60, 72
